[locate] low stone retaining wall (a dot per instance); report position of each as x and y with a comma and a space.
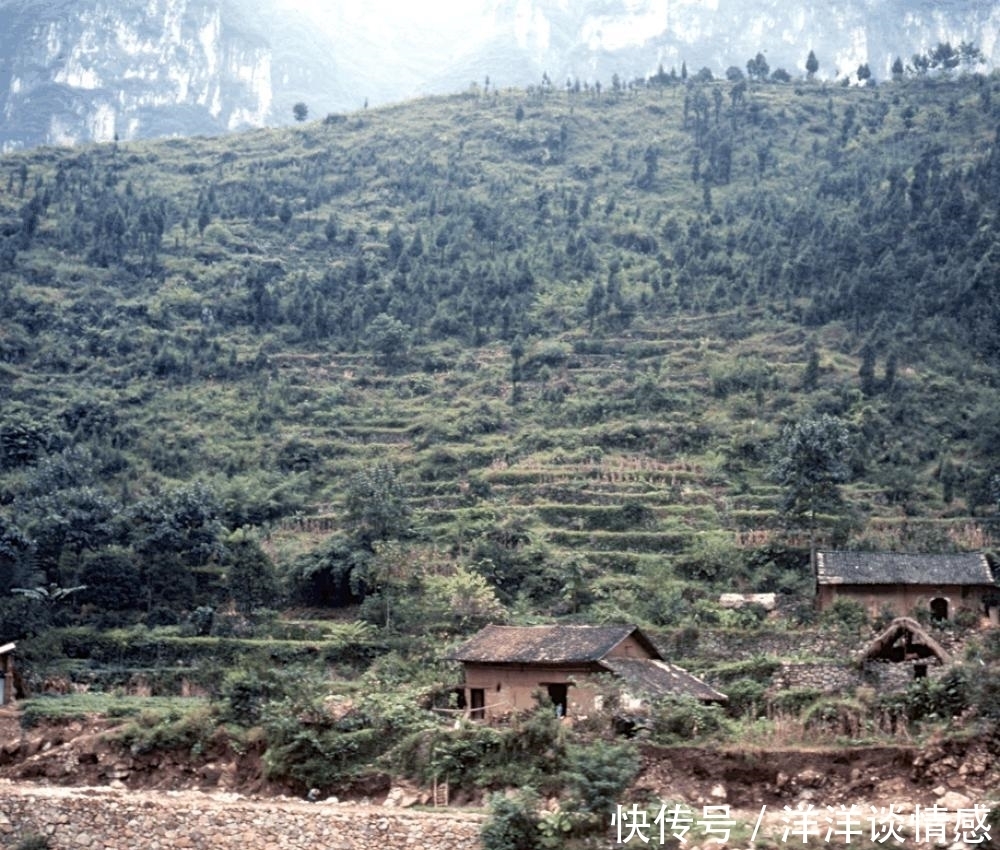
725, 645
824, 677
108, 819
828, 677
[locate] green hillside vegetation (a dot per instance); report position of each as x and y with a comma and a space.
495, 356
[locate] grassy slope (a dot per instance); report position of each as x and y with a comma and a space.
673, 410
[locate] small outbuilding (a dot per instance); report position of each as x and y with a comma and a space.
905, 584
902, 652
506, 666
7, 673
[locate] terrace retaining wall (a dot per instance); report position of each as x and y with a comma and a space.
109, 819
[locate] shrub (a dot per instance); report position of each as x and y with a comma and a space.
316, 742
461, 756
839, 716
927, 699
683, 719
530, 752
793, 700
512, 823
846, 615
966, 619
758, 668
548, 354
954, 692
745, 696
987, 700
712, 558
151, 732
245, 693
597, 774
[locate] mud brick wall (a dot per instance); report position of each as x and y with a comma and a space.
105, 819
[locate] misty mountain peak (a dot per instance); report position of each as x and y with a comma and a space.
101, 69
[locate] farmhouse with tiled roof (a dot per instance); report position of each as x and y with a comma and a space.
907, 584
505, 666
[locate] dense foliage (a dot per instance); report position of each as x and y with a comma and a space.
544, 350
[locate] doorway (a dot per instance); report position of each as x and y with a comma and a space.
939, 608
558, 693
477, 703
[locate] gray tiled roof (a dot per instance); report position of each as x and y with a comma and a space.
899, 568
652, 677
545, 644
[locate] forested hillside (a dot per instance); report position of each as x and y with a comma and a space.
501, 354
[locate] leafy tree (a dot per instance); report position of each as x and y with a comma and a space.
66, 523
810, 377
8, 254
250, 574
111, 581
376, 503
757, 68
17, 565
812, 65
184, 521
388, 338
944, 57
461, 602
42, 606
179, 536
300, 111
866, 371
921, 63
969, 54
810, 462
889, 375
24, 439
166, 581
331, 228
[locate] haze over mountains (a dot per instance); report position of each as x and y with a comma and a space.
97, 69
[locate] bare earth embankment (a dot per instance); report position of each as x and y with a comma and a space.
58, 775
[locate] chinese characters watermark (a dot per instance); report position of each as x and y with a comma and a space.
806, 824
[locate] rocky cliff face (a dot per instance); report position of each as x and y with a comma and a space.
95, 69
100, 69
594, 40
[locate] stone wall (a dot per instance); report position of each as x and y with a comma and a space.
827, 678
724, 645
109, 819
833, 678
